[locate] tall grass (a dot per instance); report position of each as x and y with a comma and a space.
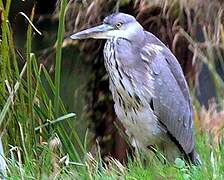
58, 55
35, 126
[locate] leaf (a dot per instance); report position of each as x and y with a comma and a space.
67, 116
179, 163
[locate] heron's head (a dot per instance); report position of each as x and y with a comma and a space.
118, 25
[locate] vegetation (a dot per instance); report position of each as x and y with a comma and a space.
40, 138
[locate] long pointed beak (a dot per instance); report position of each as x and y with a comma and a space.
97, 32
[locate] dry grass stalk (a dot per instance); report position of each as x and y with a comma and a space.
212, 121
54, 146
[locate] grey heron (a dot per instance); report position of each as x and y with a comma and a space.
150, 93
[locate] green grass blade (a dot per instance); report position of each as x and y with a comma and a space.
29, 67
60, 36
5, 63
52, 86
9, 100
67, 116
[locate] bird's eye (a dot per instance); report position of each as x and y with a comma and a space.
118, 25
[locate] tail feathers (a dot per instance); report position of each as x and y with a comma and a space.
195, 158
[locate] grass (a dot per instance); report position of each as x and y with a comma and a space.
28, 118
212, 167
40, 140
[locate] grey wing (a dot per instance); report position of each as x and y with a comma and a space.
172, 104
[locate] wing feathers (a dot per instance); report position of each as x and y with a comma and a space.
172, 103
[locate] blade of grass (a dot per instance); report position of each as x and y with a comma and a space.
29, 58
29, 67
52, 86
67, 116
60, 36
9, 100
39, 89
4, 46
